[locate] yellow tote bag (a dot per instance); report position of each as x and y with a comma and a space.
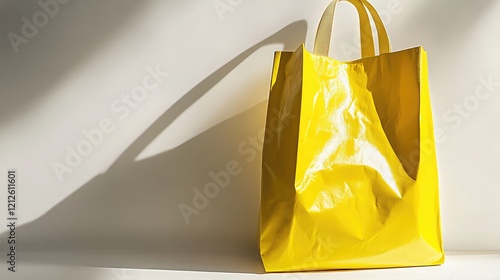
349, 174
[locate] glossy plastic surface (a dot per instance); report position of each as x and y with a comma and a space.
349, 173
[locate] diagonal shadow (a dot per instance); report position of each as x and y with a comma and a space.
129, 216
74, 34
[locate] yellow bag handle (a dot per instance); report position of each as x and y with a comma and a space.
324, 32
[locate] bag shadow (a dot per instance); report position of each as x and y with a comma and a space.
129, 216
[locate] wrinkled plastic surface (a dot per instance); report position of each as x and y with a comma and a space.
349, 174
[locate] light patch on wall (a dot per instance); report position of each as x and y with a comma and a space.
243, 88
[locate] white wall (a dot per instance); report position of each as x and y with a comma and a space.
124, 195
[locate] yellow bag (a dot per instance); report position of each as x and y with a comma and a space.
349, 173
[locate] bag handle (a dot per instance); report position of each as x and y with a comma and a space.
383, 38
324, 32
